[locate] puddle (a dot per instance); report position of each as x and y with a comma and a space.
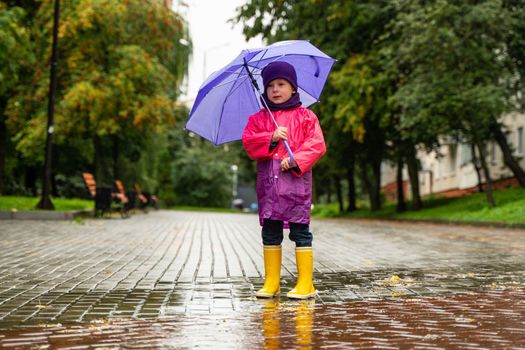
487, 319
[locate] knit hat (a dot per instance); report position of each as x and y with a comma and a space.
279, 69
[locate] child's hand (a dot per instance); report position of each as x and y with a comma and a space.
285, 164
280, 133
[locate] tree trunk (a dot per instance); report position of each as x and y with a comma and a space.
31, 175
351, 188
413, 174
371, 186
401, 205
329, 191
97, 160
488, 180
339, 192
367, 186
102, 162
115, 158
475, 162
509, 160
376, 185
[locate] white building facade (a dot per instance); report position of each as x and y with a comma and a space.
451, 172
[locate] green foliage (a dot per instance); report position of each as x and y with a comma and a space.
457, 76
29, 6
70, 186
15, 48
120, 65
119, 70
202, 178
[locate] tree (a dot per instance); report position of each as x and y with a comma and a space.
121, 65
15, 56
201, 178
457, 81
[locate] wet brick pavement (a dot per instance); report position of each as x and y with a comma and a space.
185, 280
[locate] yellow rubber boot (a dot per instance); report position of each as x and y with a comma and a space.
304, 288
272, 271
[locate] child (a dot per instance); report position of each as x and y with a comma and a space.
284, 190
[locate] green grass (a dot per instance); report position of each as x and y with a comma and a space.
29, 203
510, 208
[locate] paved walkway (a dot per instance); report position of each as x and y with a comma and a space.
184, 279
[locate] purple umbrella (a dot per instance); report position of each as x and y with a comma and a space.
230, 95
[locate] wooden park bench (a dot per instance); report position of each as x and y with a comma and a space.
146, 198
105, 197
130, 196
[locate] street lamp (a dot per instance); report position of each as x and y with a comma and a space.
45, 200
205, 53
234, 169
189, 93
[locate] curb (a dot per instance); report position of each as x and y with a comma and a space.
508, 225
515, 225
42, 215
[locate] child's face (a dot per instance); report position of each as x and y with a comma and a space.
279, 90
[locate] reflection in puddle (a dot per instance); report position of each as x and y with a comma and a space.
278, 329
271, 325
491, 319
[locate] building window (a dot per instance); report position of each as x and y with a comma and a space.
466, 154
519, 140
452, 150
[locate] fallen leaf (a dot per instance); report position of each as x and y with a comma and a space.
392, 279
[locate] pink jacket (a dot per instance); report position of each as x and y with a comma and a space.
305, 137
285, 196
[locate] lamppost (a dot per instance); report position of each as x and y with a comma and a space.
234, 169
45, 200
205, 54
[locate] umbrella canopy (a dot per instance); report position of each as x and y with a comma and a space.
228, 97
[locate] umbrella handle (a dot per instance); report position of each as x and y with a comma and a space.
289, 152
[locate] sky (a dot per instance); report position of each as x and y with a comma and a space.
215, 41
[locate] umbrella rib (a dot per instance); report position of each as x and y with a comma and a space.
294, 54
239, 73
228, 82
232, 90
246, 76
231, 81
238, 86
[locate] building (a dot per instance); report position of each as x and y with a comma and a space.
451, 172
